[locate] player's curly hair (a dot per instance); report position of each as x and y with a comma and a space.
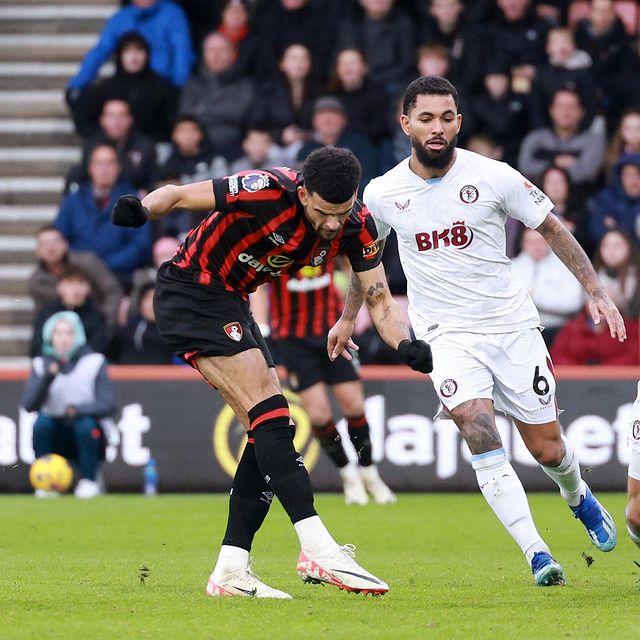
430, 85
333, 173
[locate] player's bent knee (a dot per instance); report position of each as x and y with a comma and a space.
632, 514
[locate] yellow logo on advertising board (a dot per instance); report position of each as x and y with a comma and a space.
227, 427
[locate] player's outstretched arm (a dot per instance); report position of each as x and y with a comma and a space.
129, 211
566, 247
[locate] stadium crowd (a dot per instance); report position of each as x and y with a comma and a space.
202, 89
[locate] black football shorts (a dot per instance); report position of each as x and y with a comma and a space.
206, 320
307, 362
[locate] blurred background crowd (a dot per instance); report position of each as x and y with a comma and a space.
205, 88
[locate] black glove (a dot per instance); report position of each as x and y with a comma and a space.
417, 354
129, 212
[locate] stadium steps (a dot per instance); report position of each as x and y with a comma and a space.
41, 45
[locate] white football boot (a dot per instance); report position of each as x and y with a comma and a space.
339, 568
243, 583
375, 486
354, 491
87, 489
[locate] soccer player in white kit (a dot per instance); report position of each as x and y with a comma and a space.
448, 207
632, 512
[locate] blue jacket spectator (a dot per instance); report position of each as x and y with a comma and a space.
164, 25
84, 217
618, 205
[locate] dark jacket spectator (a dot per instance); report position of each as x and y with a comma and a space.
84, 217
163, 24
152, 98
364, 99
54, 255
74, 294
219, 96
386, 36
279, 25
140, 342
617, 206
287, 100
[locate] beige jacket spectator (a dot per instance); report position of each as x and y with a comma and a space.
53, 253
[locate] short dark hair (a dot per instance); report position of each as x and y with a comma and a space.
333, 173
431, 85
49, 226
74, 272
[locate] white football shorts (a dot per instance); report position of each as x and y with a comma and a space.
634, 439
513, 369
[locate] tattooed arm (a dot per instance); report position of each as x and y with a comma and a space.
370, 287
566, 247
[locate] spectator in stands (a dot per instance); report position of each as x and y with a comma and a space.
396, 146
220, 97
580, 342
74, 293
330, 128
139, 341
235, 24
500, 112
386, 36
567, 204
151, 97
164, 26
288, 98
443, 22
54, 255
164, 248
602, 35
626, 139
617, 206
281, 23
565, 144
557, 294
191, 157
84, 217
136, 151
260, 152
517, 35
364, 98
70, 389
617, 262
565, 66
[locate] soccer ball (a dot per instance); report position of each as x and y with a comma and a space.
51, 473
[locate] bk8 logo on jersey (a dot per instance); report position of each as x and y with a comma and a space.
458, 236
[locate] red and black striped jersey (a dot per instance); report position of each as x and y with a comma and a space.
305, 303
259, 232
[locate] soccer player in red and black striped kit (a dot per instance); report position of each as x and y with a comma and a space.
302, 307
264, 224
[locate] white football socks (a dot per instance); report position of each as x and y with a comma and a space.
505, 494
230, 560
314, 536
567, 476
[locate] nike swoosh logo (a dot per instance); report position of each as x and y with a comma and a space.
249, 592
357, 575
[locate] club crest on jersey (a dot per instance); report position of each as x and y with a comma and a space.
319, 256
255, 181
448, 387
469, 194
233, 330
635, 430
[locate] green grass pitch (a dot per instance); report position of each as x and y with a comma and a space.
129, 567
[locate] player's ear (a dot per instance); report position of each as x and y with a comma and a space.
459, 119
303, 195
404, 123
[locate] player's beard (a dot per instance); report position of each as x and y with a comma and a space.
434, 159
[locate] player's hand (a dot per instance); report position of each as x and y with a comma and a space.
339, 340
129, 212
417, 354
601, 305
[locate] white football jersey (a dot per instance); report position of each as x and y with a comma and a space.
451, 242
